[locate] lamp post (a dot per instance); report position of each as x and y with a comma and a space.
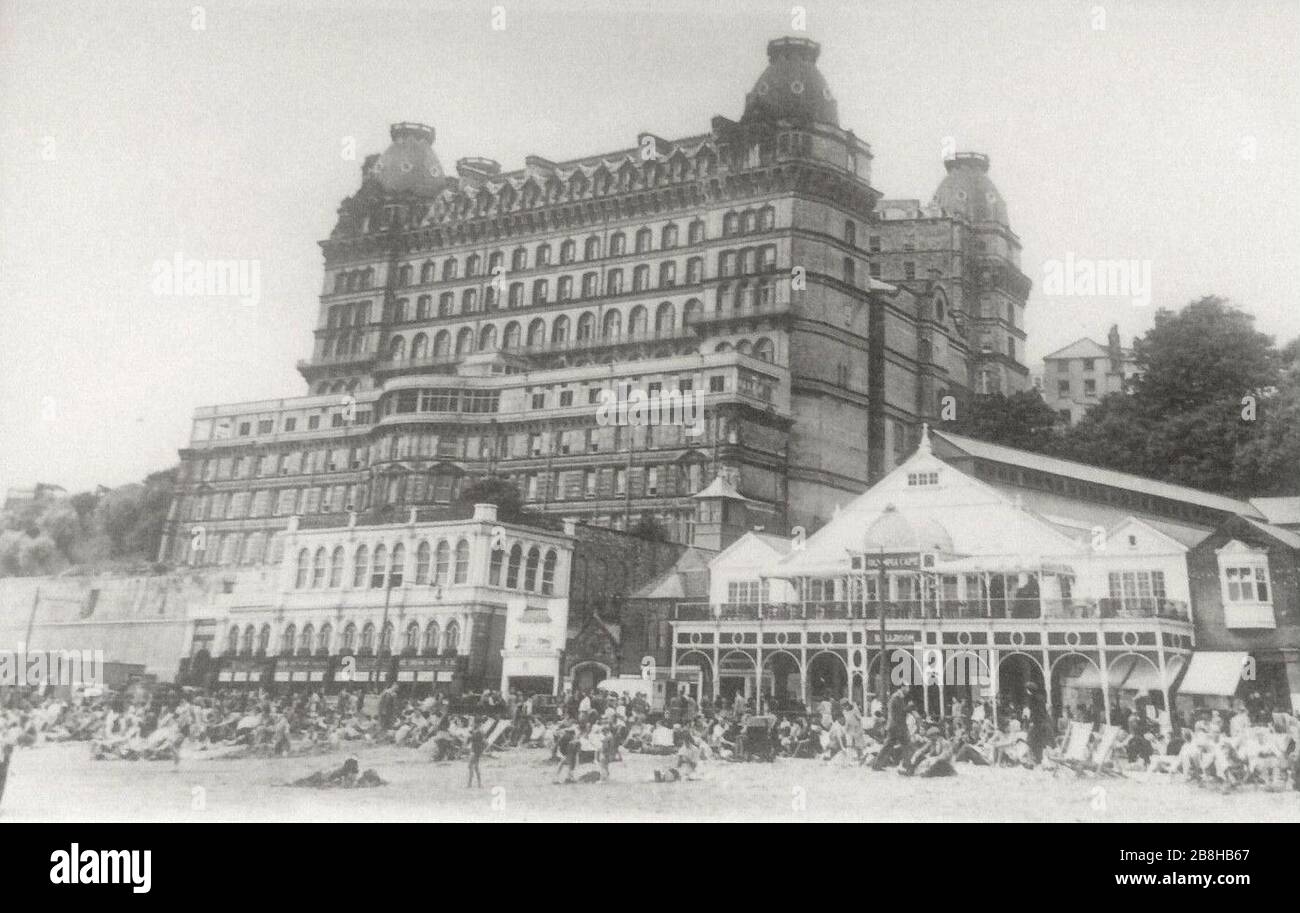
880, 602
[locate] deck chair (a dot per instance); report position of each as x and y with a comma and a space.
1075, 752
1100, 763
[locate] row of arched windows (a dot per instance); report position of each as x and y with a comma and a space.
620, 243
313, 641
563, 329
760, 348
749, 220
517, 570
441, 564
354, 280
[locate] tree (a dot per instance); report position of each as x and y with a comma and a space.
495, 490
650, 528
1021, 420
1268, 463
1183, 422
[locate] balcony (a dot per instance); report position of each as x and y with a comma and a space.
1257, 615
945, 609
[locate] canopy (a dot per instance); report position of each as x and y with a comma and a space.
1214, 673
1130, 673
1002, 564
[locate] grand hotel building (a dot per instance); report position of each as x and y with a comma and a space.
469, 322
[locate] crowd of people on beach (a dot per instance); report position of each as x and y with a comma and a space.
1248, 744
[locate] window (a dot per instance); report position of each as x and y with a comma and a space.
442, 563
1248, 583
1063, 387
494, 570
378, 567
512, 570
1090, 387
1089, 364
717, 384
909, 269
747, 592
539, 401
530, 569
462, 561
1137, 589
922, 478
548, 574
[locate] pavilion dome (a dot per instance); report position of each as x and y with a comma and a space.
893, 531
966, 190
791, 88
409, 164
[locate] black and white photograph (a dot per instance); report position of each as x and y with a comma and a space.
650, 412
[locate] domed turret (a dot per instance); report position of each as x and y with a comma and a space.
967, 191
791, 88
409, 165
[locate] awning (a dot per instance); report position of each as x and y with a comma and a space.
1130, 673
1003, 564
1214, 673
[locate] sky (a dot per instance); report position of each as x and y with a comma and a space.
132, 132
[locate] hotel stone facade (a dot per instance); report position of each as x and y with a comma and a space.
469, 322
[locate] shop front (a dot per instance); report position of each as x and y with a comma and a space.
425, 675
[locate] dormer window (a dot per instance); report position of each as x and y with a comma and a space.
1245, 586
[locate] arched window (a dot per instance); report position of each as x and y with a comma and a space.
349, 644
850, 270
397, 567
397, 349
614, 282
446, 302
471, 265
494, 569
442, 563
423, 554
591, 250
667, 274
462, 561
637, 322
510, 338
696, 232
669, 237
568, 251
543, 255
449, 268
368, 638
612, 326
304, 559
337, 559
249, 634
442, 344
617, 244
232, 641
431, 638
360, 564
318, 568
530, 569
519, 259
548, 573
426, 273
541, 291
411, 640
264, 640
307, 640
386, 640
324, 638
469, 301
643, 241
641, 278
731, 224
564, 288
516, 299
419, 346
665, 316
487, 338
560, 329
537, 333
378, 566
451, 640
464, 341
589, 285
692, 311
512, 571
694, 270
763, 349
586, 326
